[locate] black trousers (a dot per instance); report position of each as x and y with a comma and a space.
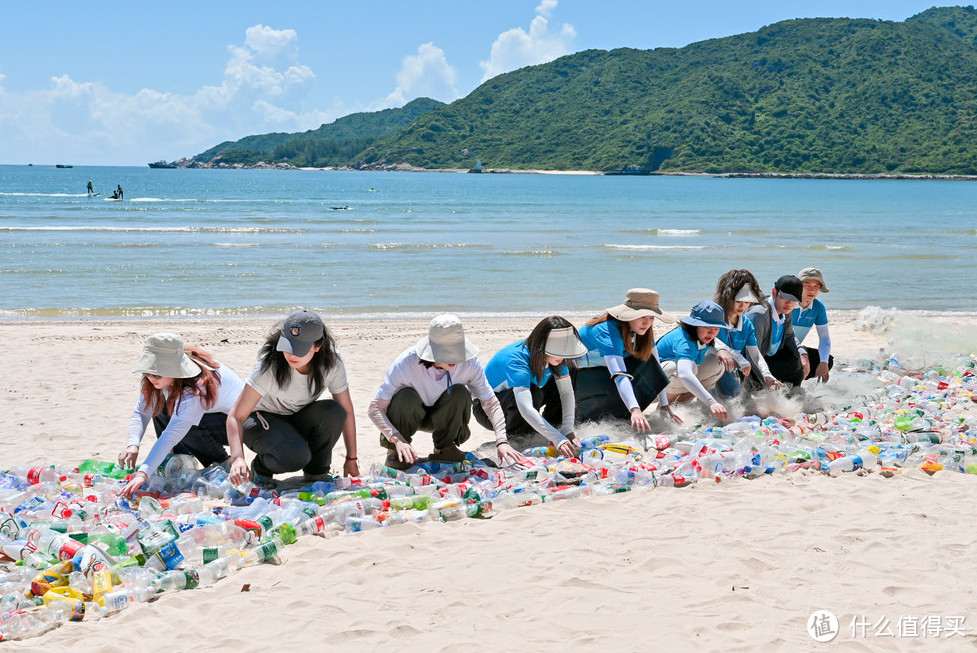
302, 440
545, 399
205, 441
597, 395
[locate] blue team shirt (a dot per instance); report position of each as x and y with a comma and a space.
677, 345
805, 319
743, 336
601, 340
509, 368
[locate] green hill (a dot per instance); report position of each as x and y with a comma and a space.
808, 95
329, 145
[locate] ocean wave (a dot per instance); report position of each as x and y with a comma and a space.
359, 231
543, 253
236, 244
43, 194
163, 230
428, 246
665, 232
654, 247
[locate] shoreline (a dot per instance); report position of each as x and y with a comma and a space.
406, 167
237, 315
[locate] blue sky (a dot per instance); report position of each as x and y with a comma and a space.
111, 83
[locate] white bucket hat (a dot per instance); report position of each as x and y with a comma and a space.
564, 343
445, 342
638, 303
164, 355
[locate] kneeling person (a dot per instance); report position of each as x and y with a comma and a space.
429, 387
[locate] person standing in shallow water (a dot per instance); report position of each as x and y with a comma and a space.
429, 387
279, 414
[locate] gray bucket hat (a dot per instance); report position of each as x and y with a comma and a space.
164, 355
445, 342
564, 343
813, 273
300, 330
707, 314
638, 303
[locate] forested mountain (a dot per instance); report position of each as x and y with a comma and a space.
329, 145
833, 95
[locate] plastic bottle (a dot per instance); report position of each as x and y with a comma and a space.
36, 475
861, 459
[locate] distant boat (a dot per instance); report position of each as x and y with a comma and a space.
62, 165
162, 164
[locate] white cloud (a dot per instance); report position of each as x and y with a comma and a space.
2, 77
425, 74
516, 48
264, 88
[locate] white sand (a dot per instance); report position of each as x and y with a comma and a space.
735, 566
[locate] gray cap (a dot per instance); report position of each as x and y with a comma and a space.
300, 331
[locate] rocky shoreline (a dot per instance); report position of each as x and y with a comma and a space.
406, 167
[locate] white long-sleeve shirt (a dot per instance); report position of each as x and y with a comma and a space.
187, 415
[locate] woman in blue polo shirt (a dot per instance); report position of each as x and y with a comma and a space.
532, 374
620, 376
736, 291
689, 356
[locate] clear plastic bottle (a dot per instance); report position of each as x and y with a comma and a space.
864, 459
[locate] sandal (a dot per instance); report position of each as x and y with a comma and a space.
260, 480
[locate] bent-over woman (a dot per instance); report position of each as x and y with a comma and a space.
531, 380
620, 375
187, 395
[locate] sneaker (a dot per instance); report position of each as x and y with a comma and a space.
260, 480
450, 454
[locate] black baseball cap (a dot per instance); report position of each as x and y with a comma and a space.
789, 287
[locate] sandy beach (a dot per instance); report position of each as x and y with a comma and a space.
733, 566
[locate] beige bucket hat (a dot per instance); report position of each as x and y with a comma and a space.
445, 342
813, 273
638, 303
164, 355
564, 343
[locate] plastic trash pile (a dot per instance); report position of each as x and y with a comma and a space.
74, 549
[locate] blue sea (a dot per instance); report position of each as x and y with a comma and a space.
222, 243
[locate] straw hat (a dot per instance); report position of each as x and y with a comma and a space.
564, 343
164, 355
445, 342
707, 314
638, 303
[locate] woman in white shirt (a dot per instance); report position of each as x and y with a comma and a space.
279, 414
187, 394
